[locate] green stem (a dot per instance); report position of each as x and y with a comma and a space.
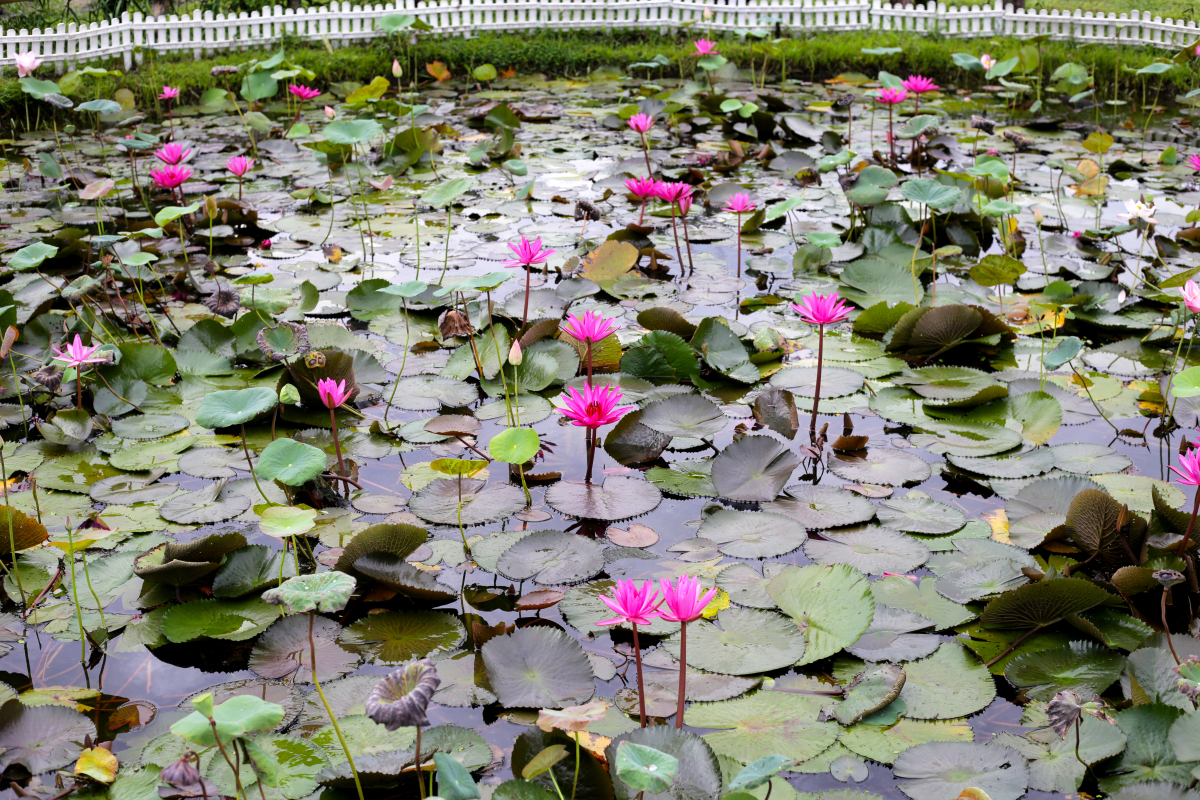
75, 598
312, 649
12, 546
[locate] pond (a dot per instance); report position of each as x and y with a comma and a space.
889, 387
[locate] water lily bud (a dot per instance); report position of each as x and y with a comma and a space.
330, 113
204, 704
289, 396
514, 354
397, 70
69, 130
1037, 216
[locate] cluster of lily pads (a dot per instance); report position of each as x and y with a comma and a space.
292, 413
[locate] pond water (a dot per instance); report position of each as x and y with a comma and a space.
1001, 529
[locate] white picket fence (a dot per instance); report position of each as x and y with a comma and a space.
341, 23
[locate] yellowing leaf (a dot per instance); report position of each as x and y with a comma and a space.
438, 70
98, 764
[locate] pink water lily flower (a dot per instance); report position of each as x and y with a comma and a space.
303, 92
705, 48
77, 354
528, 253
1191, 297
891, 96
641, 122
821, 309
919, 84
329, 113
641, 188
673, 191
987, 61
591, 327
740, 203
593, 407
685, 205
1193, 161
168, 93
332, 393
685, 599
170, 176
239, 165
172, 153
383, 185
632, 604
27, 63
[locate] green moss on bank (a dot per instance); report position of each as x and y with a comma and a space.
577, 54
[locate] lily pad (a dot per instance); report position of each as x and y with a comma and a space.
746, 642
747, 534
753, 468
869, 549
480, 503
942, 770
538, 668
617, 498
818, 507
831, 604
551, 558
880, 466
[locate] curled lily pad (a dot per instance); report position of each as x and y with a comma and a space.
400, 699
323, 591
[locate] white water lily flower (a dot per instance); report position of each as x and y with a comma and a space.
1139, 210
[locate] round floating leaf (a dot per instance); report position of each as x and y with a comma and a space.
122, 490
883, 742
283, 650
920, 515
765, 723
747, 642
831, 604
645, 768
965, 438
323, 591
203, 506
1083, 667
949, 684
819, 507
685, 415
290, 462
236, 407
1021, 465
1043, 603
74, 472
748, 534
802, 381
439, 501
745, 586
1048, 496
150, 426
538, 668
431, 392
297, 762
753, 468
699, 772
41, 738
211, 462
880, 466
869, 549
943, 770
920, 598
551, 558
617, 498
394, 637
1088, 459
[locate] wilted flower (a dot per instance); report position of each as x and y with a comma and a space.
585, 210
49, 377
182, 772
1020, 141
983, 124
401, 699
844, 100
571, 718
224, 302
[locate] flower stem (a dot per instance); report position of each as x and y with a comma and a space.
682, 672
312, 649
812, 425
417, 764
250, 465
1191, 525
637, 659
337, 446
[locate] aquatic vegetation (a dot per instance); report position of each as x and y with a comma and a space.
288, 518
